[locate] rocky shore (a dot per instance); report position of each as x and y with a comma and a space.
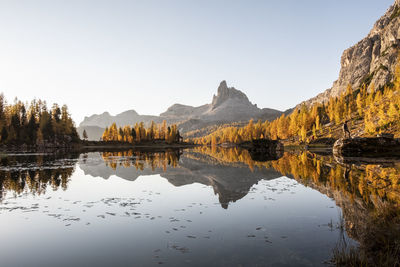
367, 147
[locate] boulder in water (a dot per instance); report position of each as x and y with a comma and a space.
367, 147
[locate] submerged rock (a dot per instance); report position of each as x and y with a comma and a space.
263, 149
367, 147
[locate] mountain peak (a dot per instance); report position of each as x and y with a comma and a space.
222, 85
224, 93
131, 112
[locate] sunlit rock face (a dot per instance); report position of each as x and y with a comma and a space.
226, 93
370, 61
230, 104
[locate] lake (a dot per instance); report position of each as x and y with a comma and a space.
197, 207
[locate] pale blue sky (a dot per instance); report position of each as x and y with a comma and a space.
146, 55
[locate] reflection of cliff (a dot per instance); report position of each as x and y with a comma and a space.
231, 181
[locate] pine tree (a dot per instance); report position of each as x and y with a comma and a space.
39, 137
213, 141
393, 113
303, 133
32, 129
368, 123
85, 136
163, 129
359, 104
317, 123
133, 133
4, 135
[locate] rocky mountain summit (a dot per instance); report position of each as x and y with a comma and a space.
225, 94
372, 60
228, 105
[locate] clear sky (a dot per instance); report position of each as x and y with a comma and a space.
98, 56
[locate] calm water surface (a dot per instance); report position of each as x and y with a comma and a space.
197, 208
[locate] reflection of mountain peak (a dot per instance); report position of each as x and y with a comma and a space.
230, 182
225, 196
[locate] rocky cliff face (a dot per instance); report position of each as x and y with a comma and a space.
225, 94
372, 60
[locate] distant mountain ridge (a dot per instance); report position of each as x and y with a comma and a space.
229, 105
127, 117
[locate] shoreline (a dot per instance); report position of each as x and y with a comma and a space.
92, 146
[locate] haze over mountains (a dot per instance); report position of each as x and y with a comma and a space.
229, 105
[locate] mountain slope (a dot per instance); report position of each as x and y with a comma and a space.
372, 60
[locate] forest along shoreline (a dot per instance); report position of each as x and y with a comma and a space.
36, 128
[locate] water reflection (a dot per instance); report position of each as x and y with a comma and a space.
231, 172
368, 193
34, 173
142, 160
231, 181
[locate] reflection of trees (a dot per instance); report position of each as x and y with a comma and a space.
369, 195
34, 174
367, 182
141, 160
229, 156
